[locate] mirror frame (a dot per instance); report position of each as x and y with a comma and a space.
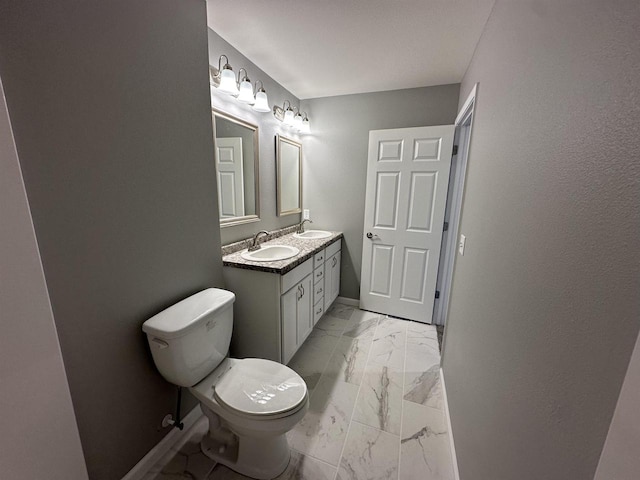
230, 222
281, 139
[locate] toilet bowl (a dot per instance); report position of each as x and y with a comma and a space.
251, 403
259, 401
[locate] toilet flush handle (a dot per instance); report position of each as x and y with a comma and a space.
160, 343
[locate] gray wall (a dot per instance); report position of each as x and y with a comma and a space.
110, 107
268, 127
335, 160
39, 432
545, 307
620, 459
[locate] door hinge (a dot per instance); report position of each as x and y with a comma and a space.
446, 226
455, 150
437, 293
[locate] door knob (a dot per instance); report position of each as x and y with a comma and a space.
369, 235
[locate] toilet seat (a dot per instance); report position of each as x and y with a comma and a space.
260, 389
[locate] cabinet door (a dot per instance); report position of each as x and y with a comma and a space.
305, 306
289, 303
334, 265
328, 279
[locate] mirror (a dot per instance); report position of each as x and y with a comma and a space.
289, 159
236, 158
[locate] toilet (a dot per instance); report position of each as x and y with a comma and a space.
251, 403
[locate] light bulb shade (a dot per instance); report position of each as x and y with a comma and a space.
297, 121
246, 93
288, 117
262, 104
228, 82
306, 127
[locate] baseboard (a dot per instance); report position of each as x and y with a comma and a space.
454, 458
156, 453
354, 302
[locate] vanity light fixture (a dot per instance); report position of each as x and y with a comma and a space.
262, 104
246, 90
290, 118
225, 78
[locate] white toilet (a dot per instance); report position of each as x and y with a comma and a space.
251, 403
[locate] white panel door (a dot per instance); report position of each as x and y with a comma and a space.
229, 171
407, 180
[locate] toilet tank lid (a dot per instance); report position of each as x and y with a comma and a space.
185, 315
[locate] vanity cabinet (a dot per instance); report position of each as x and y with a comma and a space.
273, 314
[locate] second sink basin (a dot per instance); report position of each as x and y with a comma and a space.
313, 234
270, 253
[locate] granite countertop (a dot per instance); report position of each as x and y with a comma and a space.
308, 248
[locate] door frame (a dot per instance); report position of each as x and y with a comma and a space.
455, 195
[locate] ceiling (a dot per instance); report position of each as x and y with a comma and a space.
334, 47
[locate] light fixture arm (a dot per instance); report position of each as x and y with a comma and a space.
246, 75
226, 63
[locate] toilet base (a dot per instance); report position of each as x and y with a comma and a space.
260, 458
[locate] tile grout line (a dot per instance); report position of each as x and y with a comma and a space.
366, 364
404, 369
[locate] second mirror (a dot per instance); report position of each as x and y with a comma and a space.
289, 182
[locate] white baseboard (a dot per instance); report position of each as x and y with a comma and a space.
354, 302
156, 453
454, 458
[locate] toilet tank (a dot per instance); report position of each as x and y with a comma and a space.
189, 339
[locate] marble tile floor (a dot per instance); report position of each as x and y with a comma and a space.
376, 407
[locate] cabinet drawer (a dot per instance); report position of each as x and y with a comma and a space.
318, 291
293, 277
333, 248
318, 310
318, 259
318, 274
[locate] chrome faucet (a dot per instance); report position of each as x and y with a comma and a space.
254, 244
300, 228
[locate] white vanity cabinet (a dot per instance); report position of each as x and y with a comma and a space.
273, 314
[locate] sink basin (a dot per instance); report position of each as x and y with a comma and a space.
313, 234
270, 253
